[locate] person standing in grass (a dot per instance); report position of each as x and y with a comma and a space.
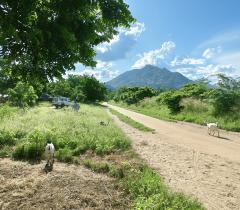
76, 106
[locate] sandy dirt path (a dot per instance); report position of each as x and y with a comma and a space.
190, 161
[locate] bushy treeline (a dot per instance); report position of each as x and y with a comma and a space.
133, 95
80, 88
223, 98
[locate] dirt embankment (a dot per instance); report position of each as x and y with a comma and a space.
190, 161
25, 186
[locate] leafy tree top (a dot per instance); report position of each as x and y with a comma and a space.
41, 39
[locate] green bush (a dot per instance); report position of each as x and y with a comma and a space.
224, 101
5, 151
7, 111
7, 138
29, 151
81, 149
134, 94
32, 147
64, 155
172, 100
22, 95
193, 105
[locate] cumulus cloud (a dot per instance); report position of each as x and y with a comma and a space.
211, 52
135, 30
121, 44
187, 61
106, 46
101, 74
103, 71
154, 56
208, 71
103, 64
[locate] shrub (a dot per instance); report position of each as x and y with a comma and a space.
5, 151
22, 95
7, 138
134, 94
193, 105
32, 147
28, 151
64, 155
172, 100
7, 111
224, 101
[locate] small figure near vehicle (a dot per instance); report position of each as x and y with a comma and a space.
76, 106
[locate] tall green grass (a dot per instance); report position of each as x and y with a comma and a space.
7, 111
72, 133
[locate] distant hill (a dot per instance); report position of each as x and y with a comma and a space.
151, 76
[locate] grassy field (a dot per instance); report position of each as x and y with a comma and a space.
131, 122
81, 139
194, 111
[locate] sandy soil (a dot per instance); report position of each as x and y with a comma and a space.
190, 161
25, 186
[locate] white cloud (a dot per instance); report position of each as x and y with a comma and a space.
152, 57
135, 29
208, 71
100, 74
211, 52
134, 32
103, 71
103, 64
187, 61
106, 46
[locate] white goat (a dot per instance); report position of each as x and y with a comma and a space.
212, 128
49, 152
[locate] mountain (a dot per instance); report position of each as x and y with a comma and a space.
151, 76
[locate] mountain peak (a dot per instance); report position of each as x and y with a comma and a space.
151, 76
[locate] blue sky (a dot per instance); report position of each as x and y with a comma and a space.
196, 38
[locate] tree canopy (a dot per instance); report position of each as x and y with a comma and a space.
42, 39
80, 88
131, 95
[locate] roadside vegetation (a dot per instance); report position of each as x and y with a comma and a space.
72, 134
131, 122
35, 55
197, 103
81, 139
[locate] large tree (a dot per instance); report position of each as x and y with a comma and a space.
41, 39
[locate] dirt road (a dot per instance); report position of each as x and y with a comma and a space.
189, 160
191, 135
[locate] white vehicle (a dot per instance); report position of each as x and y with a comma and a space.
60, 101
